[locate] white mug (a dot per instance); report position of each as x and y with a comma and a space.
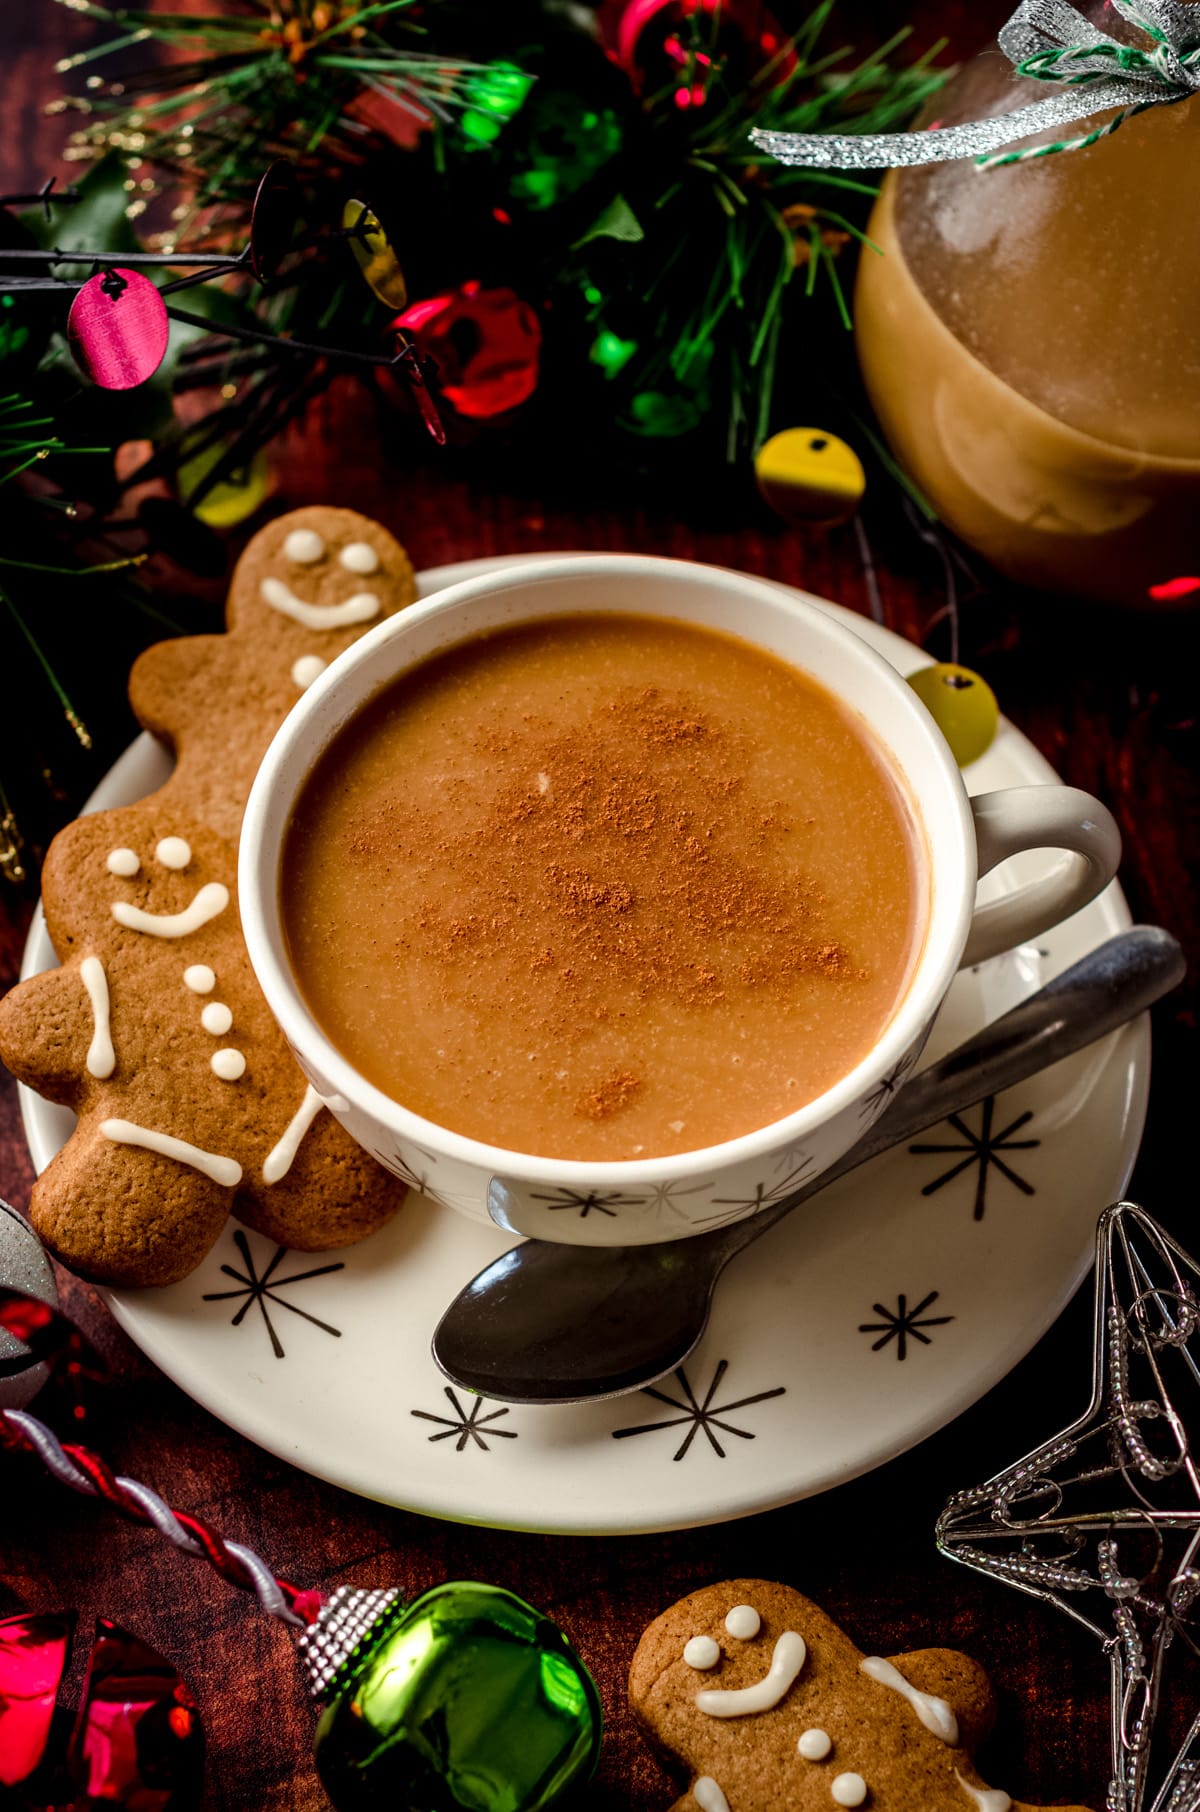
636, 1201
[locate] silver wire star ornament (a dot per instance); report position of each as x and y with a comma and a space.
1103, 1520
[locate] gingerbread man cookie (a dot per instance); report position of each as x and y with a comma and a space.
307, 586
154, 1031
755, 1695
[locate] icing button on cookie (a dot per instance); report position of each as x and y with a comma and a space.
216, 1018
306, 669
199, 978
848, 1790
228, 1064
814, 1745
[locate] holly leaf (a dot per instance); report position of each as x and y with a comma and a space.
618, 221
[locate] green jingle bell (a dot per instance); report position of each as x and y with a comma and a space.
465, 1700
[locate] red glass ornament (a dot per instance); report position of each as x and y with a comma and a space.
486, 343
117, 329
33, 1659
138, 1741
654, 45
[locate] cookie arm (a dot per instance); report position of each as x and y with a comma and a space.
45, 1034
949, 1675
163, 681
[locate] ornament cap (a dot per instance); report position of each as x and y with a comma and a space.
343, 1624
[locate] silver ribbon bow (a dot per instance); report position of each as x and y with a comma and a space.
1051, 41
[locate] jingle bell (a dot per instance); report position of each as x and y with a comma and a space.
465, 1700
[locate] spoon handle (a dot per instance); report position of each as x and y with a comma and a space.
1106, 988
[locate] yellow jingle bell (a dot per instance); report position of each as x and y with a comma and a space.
809, 477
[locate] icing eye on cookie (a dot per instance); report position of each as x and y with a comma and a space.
359, 557
743, 1622
701, 1653
173, 852
303, 547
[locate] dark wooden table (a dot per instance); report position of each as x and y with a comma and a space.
1110, 700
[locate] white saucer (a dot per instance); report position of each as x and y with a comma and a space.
853, 1331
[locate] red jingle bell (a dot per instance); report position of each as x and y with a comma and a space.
486, 344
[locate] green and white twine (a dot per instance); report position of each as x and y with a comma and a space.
1049, 41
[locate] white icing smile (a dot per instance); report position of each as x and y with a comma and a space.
359, 609
786, 1662
209, 902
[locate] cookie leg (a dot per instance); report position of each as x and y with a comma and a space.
331, 1193
123, 1216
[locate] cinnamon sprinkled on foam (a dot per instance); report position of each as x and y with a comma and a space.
617, 856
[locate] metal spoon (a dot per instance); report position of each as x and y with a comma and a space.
547, 1323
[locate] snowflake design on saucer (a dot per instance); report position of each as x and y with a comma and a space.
467, 1426
260, 1289
904, 1324
590, 1201
881, 1095
700, 1414
765, 1195
981, 1148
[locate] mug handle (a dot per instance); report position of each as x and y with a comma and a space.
1039, 817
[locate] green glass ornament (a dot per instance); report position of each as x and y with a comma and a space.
465, 1700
